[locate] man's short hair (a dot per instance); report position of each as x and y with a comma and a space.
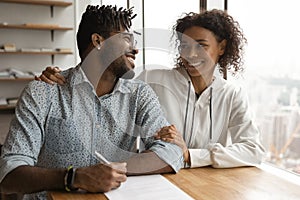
102, 20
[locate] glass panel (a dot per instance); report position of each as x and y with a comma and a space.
272, 74
160, 16
215, 4
119, 3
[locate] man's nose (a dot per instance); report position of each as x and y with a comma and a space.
135, 51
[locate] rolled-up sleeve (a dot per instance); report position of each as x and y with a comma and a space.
25, 138
7, 164
170, 153
151, 119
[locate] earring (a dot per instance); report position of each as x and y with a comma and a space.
98, 47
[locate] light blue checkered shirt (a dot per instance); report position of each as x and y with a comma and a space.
57, 126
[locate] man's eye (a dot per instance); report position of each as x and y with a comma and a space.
127, 39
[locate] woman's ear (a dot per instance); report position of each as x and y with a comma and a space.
97, 40
222, 47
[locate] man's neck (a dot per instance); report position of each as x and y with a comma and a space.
106, 84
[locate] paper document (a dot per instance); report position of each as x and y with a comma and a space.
149, 187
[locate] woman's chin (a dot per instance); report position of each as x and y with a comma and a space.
201, 70
193, 71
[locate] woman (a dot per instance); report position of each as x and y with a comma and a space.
212, 120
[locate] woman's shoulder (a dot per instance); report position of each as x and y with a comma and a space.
159, 75
152, 72
229, 88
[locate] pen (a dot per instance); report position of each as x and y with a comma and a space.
101, 158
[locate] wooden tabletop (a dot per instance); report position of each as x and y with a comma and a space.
245, 183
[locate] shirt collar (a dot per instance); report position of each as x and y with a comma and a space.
79, 77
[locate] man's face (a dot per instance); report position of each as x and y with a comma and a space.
119, 54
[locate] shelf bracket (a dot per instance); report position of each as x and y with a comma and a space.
51, 11
52, 59
52, 35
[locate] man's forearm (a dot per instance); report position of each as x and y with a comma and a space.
28, 179
147, 163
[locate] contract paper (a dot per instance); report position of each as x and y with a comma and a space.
149, 187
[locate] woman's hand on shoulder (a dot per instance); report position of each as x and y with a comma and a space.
51, 75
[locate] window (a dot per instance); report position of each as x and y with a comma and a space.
272, 74
160, 16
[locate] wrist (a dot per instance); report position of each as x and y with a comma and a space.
69, 179
186, 156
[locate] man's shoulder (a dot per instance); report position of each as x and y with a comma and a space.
42, 89
69, 72
132, 84
39, 86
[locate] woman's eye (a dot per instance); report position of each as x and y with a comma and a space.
183, 46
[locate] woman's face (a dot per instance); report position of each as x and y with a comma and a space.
200, 51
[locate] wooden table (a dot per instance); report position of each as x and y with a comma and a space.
227, 184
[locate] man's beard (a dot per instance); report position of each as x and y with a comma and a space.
120, 68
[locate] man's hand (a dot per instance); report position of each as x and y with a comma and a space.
100, 177
51, 75
170, 134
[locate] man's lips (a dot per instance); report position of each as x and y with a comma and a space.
130, 58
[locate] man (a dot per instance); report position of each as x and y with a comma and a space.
56, 131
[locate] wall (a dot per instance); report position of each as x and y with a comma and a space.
26, 13
13, 13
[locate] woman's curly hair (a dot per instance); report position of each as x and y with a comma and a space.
223, 27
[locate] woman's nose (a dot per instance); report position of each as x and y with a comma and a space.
192, 52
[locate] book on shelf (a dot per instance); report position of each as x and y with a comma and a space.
4, 23
9, 47
21, 74
3, 101
12, 101
30, 50
8, 101
46, 50
15, 73
41, 25
5, 74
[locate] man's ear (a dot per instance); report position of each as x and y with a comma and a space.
97, 40
222, 47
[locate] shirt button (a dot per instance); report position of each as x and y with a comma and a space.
97, 125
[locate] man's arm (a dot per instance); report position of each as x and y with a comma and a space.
98, 178
162, 157
147, 163
39, 178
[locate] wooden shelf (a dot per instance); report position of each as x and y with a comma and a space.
16, 79
35, 53
34, 27
36, 2
7, 107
